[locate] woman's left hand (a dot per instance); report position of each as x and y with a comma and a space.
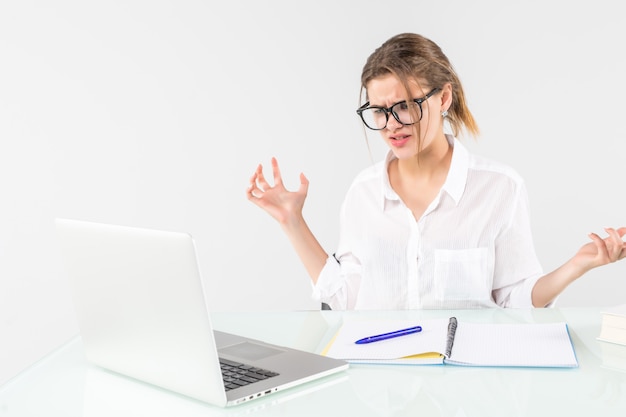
602, 251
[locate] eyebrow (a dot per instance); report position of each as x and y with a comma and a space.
385, 107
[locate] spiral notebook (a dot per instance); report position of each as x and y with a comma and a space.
455, 342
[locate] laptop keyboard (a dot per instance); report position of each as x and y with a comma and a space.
237, 374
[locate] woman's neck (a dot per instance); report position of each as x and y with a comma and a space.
429, 163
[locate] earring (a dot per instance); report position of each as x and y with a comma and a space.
444, 113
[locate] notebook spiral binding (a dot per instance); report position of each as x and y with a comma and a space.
451, 332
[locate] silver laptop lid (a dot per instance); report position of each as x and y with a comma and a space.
140, 304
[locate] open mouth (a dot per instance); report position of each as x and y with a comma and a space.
399, 140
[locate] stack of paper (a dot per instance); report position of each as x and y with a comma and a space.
613, 327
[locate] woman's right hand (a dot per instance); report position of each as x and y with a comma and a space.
283, 205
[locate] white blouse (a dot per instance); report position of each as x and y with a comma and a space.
471, 248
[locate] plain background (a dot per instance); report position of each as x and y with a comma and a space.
156, 113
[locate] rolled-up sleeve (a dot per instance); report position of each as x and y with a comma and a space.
338, 283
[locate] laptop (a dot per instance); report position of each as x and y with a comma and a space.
141, 310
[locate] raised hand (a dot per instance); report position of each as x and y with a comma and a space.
283, 205
602, 251
286, 207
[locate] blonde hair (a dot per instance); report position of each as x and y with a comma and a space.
409, 56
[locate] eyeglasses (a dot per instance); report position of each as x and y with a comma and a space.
406, 113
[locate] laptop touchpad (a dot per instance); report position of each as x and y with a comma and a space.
249, 351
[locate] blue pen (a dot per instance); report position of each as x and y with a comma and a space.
389, 335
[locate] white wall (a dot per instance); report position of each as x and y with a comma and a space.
155, 114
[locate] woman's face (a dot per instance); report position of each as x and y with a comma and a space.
386, 91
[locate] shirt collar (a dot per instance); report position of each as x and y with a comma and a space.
455, 181
457, 175
388, 192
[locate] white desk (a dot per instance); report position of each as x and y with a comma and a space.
63, 384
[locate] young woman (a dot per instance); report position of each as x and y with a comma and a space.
431, 226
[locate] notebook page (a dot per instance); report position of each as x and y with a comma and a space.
432, 338
536, 344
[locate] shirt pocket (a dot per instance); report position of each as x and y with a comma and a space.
462, 274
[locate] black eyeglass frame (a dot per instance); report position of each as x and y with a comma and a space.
388, 110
